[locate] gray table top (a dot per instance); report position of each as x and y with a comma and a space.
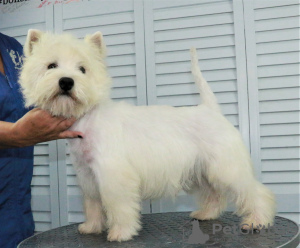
176, 230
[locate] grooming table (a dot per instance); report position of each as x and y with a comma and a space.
175, 230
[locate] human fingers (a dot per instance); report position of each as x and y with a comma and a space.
70, 135
66, 123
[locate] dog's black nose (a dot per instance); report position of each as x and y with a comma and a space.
66, 83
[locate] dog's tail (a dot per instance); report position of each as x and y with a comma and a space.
207, 95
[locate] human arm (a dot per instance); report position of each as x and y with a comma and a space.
35, 127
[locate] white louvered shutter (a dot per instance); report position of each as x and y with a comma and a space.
272, 38
258, 93
44, 183
44, 187
215, 28
121, 23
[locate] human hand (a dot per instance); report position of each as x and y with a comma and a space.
39, 126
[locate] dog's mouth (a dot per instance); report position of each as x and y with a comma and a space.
65, 94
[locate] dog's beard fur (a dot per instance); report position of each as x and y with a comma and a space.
132, 153
59, 103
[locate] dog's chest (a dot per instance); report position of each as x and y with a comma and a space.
86, 151
83, 157
83, 149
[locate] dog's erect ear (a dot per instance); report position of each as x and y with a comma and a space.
97, 41
33, 37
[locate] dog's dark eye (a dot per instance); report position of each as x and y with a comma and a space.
82, 69
52, 66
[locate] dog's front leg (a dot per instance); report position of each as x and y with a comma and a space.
95, 220
120, 195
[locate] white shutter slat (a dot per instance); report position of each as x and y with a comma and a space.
206, 53
20, 32
281, 177
191, 88
279, 129
208, 42
279, 94
278, 35
195, 21
122, 49
276, 165
122, 71
184, 100
278, 47
123, 28
194, 32
278, 59
279, 106
279, 81
124, 92
194, 10
280, 142
178, 67
77, 10
178, 3
41, 149
277, 24
211, 76
277, 12
41, 170
114, 61
40, 160
258, 4
24, 18
97, 21
119, 39
124, 82
279, 117
278, 70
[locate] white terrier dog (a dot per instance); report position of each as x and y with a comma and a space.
131, 153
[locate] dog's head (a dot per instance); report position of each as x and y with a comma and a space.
64, 75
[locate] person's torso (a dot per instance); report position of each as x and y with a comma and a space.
16, 164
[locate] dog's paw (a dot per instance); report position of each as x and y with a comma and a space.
205, 215
87, 228
253, 222
121, 234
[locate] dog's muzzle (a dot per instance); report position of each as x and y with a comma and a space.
66, 84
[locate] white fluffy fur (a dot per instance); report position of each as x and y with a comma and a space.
131, 153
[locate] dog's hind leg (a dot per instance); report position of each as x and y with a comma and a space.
256, 204
254, 201
94, 216
211, 202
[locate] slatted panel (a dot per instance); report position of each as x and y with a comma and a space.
173, 27
121, 24
276, 34
116, 22
44, 187
16, 24
177, 27
41, 188
75, 201
44, 182
279, 102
